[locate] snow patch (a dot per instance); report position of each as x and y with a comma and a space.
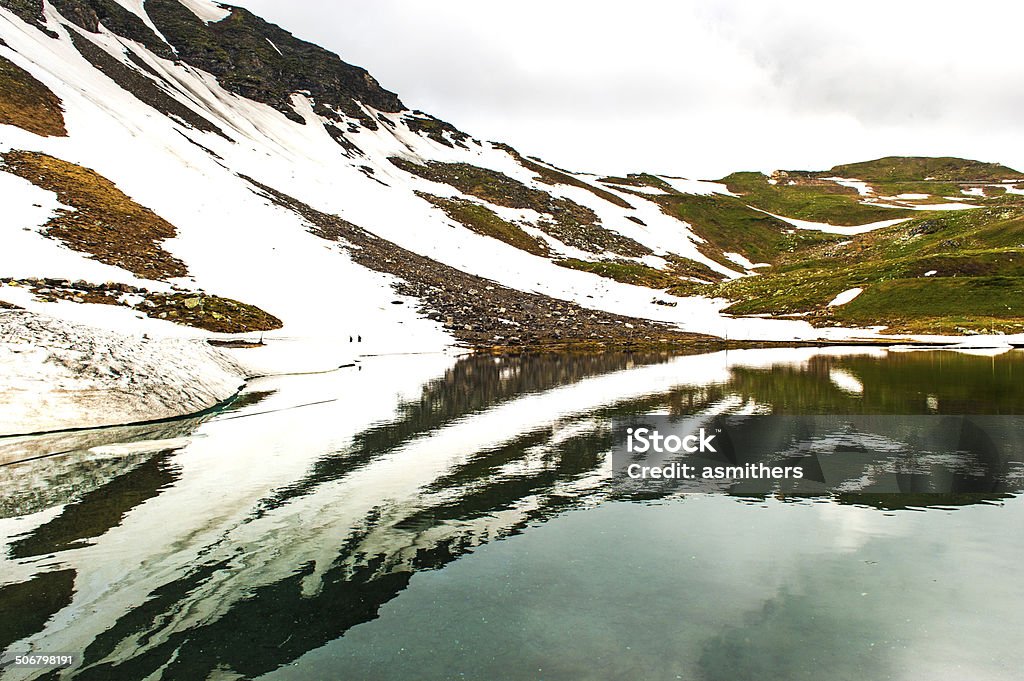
921, 206
740, 260
834, 229
698, 187
60, 376
863, 188
210, 12
846, 297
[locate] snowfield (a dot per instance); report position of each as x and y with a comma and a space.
58, 375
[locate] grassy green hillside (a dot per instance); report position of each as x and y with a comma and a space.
728, 225
917, 168
805, 197
940, 273
937, 272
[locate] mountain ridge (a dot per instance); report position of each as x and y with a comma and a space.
643, 249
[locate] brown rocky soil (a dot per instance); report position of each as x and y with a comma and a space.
27, 103
106, 224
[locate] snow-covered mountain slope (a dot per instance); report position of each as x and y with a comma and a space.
184, 168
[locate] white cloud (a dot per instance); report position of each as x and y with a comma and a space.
697, 88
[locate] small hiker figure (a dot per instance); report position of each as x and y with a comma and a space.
360, 339
350, 339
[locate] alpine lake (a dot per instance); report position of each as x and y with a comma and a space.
429, 517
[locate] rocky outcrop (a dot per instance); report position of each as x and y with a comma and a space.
261, 61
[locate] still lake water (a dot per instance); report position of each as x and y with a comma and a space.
425, 517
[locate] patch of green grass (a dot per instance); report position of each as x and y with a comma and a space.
945, 297
934, 189
730, 226
810, 286
196, 309
918, 168
691, 269
810, 199
641, 180
212, 313
625, 272
483, 220
946, 234
571, 223
941, 273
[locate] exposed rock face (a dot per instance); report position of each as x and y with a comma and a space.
60, 375
248, 55
30, 11
261, 61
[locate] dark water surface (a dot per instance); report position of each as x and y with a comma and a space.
432, 518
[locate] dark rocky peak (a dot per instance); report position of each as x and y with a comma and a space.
440, 131
89, 15
261, 61
80, 13
249, 56
29, 11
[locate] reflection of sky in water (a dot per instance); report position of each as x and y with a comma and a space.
704, 589
360, 535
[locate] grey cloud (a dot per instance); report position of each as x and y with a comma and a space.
695, 87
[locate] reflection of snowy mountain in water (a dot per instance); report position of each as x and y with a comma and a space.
279, 527
876, 454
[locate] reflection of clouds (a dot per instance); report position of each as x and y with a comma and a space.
844, 380
849, 528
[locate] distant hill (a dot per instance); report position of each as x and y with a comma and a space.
918, 168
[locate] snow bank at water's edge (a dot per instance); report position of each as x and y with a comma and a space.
59, 375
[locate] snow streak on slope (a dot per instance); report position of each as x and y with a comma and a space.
835, 229
206, 10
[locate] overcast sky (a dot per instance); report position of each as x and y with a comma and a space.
694, 88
